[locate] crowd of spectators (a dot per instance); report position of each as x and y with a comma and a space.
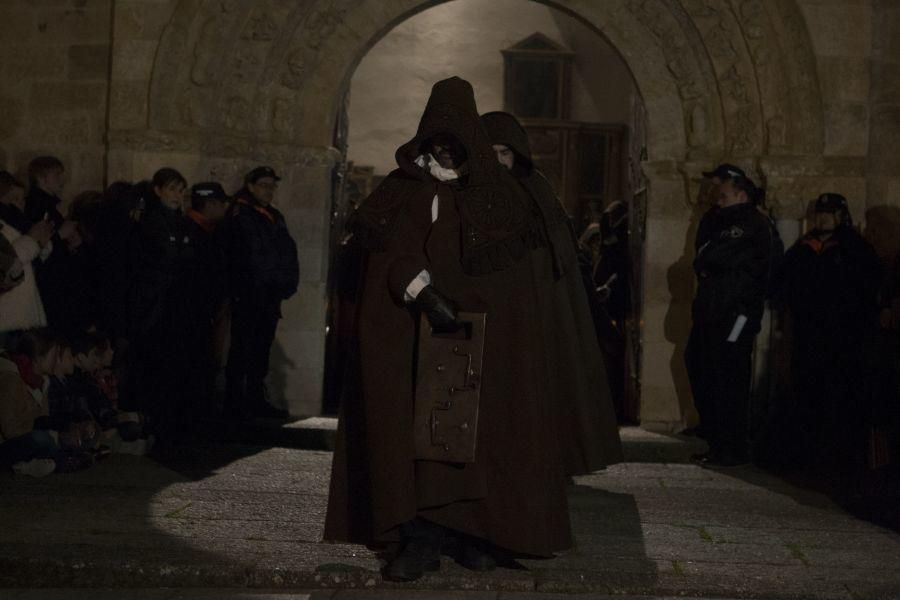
114, 316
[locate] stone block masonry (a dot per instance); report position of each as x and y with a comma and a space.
54, 64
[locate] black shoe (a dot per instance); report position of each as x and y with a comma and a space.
475, 555
417, 557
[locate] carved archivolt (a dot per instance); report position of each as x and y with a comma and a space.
743, 70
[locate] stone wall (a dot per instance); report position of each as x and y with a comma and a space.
391, 85
54, 68
804, 93
884, 107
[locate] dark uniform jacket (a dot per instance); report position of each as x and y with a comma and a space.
734, 267
262, 255
479, 254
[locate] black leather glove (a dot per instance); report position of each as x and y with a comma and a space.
440, 310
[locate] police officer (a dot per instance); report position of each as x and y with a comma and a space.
263, 271
735, 246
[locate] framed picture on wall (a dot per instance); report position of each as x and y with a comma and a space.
537, 72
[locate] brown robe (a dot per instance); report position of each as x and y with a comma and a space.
589, 434
480, 253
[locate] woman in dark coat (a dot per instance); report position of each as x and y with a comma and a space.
590, 437
467, 226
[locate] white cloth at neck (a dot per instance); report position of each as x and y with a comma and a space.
427, 161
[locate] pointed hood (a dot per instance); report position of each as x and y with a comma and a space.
504, 129
451, 110
497, 225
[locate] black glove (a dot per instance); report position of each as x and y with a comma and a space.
440, 310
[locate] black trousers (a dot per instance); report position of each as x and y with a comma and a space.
252, 333
720, 373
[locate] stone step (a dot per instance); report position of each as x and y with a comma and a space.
318, 433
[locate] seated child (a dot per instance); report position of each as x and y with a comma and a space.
94, 381
28, 441
69, 411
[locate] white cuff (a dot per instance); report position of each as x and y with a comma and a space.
737, 328
415, 286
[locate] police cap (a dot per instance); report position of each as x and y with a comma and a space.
830, 202
208, 190
725, 171
259, 173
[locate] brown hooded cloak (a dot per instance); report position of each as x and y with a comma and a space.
589, 432
479, 253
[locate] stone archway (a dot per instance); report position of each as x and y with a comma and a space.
227, 84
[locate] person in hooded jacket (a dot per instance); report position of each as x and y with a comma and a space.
263, 271
590, 438
831, 283
450, 229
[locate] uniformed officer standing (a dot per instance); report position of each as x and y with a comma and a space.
263, 271
733, 266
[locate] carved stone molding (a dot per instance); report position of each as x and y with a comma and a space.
654, 15
744, 70
222, 146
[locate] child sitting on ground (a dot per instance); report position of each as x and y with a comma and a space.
28, 442
94, 381
69, 410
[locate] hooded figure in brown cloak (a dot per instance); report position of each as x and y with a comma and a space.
590, 435
450, 229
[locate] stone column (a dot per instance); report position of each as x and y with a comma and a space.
668, 285
883, 165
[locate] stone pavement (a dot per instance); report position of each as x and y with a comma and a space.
236, 516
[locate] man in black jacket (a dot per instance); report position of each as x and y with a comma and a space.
733, 267
263, 271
